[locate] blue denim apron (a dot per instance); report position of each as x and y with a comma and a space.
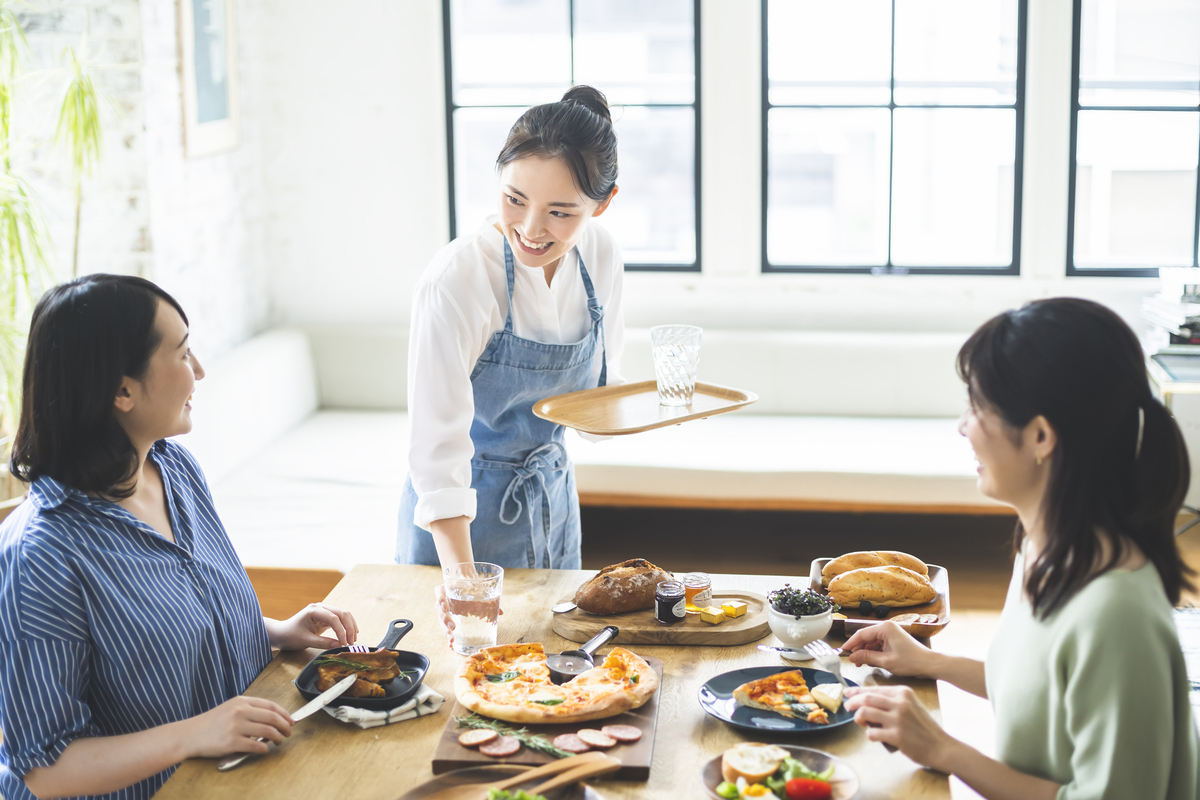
527, 509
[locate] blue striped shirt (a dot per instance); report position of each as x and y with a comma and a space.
108, 628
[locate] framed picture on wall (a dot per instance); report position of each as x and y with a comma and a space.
208, 69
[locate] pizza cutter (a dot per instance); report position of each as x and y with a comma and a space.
568, 664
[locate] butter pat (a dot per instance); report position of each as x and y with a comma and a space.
712, 614
734, 608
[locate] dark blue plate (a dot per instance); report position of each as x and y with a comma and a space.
716, 697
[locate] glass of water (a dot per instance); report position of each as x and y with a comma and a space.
676, 356
473, 597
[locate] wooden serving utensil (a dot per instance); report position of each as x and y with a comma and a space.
478, 791
599, 767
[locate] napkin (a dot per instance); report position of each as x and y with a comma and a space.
425, 701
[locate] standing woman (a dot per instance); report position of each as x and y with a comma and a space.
1085, 674
128, 627
526, 307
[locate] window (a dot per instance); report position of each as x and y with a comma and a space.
505, 55
892, 135
1135, 137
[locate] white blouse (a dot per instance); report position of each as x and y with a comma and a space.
459, 302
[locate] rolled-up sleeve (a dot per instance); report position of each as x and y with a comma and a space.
440, 360
42, 686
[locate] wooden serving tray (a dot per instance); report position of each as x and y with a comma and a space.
633, 407
640, 627
855, 621
635, 757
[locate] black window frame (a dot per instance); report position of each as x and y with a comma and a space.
1109, 272
448, 84
1014, 268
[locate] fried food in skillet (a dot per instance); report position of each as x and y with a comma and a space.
373, 670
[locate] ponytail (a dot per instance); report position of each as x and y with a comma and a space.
1162, 475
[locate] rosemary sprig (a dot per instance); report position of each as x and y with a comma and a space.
531, 740
355, 666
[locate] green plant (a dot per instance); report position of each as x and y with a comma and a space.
80, 132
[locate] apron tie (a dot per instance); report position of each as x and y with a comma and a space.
552, 457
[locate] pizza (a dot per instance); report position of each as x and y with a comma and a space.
785, 693
511, 682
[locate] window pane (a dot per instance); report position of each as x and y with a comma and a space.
510, 51
952, 201
950, 51
634, 51
479, 133
1135, 188
827, 187
829, 53
1140, 53
653, 216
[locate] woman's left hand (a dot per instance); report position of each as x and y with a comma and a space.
304, 629
894, 715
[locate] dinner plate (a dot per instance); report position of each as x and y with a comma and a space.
496, 773
716, 697
844, 782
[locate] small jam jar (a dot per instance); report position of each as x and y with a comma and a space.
697, 587
669, 603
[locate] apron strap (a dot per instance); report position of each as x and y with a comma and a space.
550, 456
597, 312
508, 279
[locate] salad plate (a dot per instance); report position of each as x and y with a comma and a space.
716, 698
844, 781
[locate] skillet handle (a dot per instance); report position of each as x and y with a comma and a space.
397, 629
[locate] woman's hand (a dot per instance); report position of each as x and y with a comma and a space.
894, 715
443, 612
886, 645
235, 726
304, 629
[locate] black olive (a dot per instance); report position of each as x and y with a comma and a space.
864, 607
881, 611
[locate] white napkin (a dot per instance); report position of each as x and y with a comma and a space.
425, 701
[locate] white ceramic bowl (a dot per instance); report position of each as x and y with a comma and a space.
796, 632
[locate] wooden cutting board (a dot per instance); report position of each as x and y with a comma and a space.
640, 627
635, 757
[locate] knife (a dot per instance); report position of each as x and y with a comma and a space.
787, 651
307, 710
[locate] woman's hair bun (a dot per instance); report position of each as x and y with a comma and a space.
590, 98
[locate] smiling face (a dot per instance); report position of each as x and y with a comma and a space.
542, 211
158, 405
1009, 468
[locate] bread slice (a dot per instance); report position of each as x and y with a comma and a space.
871, 558
895, 587
753, 761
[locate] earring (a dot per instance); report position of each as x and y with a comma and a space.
1039, 461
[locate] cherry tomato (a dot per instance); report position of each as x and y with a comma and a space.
808, 789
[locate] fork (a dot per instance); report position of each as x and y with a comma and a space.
828, 659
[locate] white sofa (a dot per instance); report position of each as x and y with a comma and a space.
303, 435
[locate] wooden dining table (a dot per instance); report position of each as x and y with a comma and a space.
328, 758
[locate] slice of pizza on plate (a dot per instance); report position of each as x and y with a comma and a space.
785, 693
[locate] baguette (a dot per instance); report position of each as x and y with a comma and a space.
628, 586
895, 587
871, 558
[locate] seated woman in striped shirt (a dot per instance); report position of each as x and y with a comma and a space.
128, 627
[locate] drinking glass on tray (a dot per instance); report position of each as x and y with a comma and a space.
473, 598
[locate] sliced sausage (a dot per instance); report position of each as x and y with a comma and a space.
476, 737
571, 743
596, 739
500, 747
622, 733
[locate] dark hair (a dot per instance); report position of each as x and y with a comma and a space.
1119, 467
86, 335
577, 129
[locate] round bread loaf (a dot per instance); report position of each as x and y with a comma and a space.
871, 558
628, 586
895, 587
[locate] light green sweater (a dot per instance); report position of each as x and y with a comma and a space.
1096, 696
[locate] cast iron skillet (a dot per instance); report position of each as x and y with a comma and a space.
398, 691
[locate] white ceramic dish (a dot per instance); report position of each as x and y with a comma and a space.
795, 632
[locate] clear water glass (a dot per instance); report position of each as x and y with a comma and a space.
676, 357
473, 597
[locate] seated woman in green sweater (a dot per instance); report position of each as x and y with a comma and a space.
1085, 674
